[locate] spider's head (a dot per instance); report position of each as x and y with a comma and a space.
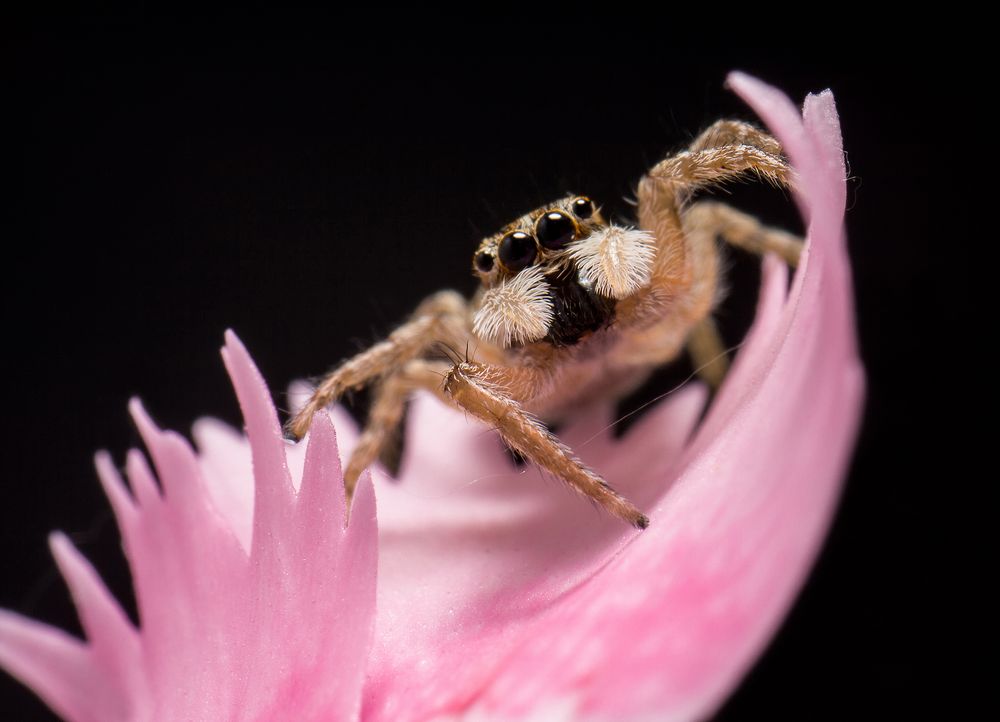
556, 273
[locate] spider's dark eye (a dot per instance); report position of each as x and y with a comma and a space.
555, 229
517, 251
583, 208
484, 262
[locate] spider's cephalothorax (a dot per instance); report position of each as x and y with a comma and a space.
573, 310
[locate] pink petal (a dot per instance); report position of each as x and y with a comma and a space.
56, 666
114, 642
472, 549
227, 470
96, 683
501, 596
279, 632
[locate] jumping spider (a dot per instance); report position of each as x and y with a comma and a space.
572, 309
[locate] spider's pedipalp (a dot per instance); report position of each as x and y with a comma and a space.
515, 312
617, 261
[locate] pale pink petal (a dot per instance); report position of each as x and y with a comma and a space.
58, 667
99, 681
277, 626
227, 471
114, 643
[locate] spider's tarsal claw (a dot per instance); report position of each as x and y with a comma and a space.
290, 434
641, 522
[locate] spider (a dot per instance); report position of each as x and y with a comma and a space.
572, 309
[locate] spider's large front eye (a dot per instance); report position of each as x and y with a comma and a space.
555, 229
517, 251
583, 207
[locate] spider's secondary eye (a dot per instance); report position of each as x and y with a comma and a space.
517, 251
555, 229
484, 261
583, 208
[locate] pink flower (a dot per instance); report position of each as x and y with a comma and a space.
477, 591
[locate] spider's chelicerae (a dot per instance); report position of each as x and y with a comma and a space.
572, 309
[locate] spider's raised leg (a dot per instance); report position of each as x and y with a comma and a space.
387, 411
485, 391
441, 318
735, 132
725, 151
687, 265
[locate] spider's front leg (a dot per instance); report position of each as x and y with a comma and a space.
441, 318
725, 151
487, 392
387, 412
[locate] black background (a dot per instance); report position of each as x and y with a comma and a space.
305, 179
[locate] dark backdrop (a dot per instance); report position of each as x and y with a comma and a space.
306, 179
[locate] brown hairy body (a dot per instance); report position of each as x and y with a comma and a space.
573, 310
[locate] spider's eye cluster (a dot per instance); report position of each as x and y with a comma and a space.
554, 230
517, 251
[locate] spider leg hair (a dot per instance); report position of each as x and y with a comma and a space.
480, 390
442, 317
387, 410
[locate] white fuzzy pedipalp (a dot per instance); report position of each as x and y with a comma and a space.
518, 311
617, 261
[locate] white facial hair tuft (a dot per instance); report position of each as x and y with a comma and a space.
617, 261
518, 311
